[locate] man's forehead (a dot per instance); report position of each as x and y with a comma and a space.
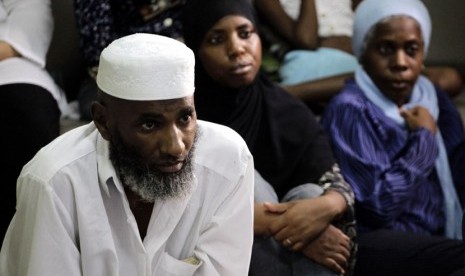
158, 106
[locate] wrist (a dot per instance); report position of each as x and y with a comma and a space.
336, 202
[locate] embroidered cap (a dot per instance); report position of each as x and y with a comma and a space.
145, 67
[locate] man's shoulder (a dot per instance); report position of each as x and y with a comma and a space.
63, 151
222, 149
219, 135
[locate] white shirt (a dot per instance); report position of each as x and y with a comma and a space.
73, 217
335, 17
27, 25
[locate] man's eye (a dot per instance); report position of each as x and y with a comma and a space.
186, 119
150, 125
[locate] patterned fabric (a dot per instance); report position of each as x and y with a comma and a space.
390, 169
102, 21
333, 180
423, 94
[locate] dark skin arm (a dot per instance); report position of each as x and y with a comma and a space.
303, 33
330, 249
307, 224
321, 90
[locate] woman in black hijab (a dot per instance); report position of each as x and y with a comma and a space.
289, 147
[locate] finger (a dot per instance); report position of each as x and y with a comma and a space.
344, 252
404, 112
345, 242
282, 234
297, 246
287, 243
339, 262
334, 266
275, 207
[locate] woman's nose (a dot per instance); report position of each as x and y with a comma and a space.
235, 47
400, 60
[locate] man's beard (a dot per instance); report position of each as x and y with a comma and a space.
145, 182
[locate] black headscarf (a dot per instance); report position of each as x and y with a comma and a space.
288, 144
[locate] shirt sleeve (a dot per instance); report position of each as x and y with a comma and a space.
28, 28
40, 240
383, 181
229, 254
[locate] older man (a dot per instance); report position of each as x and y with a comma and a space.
145, 189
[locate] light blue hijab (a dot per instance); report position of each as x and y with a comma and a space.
367, 15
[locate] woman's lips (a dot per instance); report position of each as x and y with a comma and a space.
400, 84
241, 69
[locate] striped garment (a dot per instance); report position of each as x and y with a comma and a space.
390, 169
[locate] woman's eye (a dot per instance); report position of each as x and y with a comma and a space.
385, 49
412, 50
245, 34
215, 39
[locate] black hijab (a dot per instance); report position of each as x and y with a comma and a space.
288, 144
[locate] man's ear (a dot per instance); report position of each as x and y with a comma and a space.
100, 117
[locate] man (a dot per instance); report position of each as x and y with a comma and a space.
145, 189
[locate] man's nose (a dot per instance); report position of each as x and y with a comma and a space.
172, 142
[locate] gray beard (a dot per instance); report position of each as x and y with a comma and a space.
150, 185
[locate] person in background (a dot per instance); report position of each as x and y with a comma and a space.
101, 22
31, 101
141, 190
311, 232
320, 56
404, 148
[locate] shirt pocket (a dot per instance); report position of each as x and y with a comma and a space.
171, 266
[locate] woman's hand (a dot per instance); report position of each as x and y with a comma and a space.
301, 221
263, 219
331, 249
419, 117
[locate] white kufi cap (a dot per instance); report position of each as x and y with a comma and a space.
145, 67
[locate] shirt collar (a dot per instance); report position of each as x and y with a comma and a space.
106, 171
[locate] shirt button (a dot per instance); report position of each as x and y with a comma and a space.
168, 22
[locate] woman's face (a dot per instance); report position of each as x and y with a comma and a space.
231, 52
394, 57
